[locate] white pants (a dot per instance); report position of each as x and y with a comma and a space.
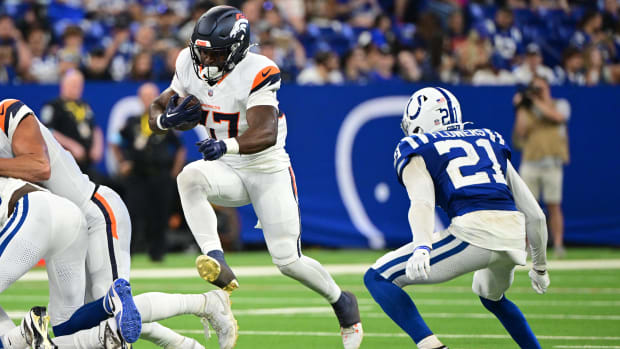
273, 196
109, 239
46, 226
452, 257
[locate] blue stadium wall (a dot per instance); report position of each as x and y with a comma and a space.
341, 141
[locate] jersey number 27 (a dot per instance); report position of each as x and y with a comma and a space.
471, 158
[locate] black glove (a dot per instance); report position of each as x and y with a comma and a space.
176, 115
211, 149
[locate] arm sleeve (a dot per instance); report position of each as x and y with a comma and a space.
263, 97
13, 111
421, 192
535, 223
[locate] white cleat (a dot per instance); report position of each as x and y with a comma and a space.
352, 336
34, 329
109, 336
219, 315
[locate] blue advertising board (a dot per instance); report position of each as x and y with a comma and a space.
341, 140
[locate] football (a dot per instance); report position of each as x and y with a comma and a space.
191, 103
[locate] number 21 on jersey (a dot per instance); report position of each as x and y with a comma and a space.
471, 158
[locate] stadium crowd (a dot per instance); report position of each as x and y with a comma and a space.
485, 42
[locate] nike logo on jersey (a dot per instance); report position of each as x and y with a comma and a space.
267, 72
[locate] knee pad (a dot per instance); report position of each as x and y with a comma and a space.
189, 177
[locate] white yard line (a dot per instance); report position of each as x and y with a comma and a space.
404, 335
334, 269
588, 346
328, 312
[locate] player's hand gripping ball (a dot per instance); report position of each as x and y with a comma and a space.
182, 113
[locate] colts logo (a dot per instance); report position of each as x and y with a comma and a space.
241, 26
421, 99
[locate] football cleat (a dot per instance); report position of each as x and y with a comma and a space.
119, 302
218, 314
216, 272
352, 336
34, 329
109, 336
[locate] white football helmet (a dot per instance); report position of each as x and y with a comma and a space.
431, 109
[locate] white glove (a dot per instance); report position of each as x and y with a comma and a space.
419, 265
540, 280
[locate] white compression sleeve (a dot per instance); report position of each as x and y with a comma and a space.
535, 223
421, 192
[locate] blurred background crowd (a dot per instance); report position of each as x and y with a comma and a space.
482, 42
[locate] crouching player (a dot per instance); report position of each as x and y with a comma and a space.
468, 173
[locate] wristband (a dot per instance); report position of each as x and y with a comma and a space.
232, 146
423, 247
158, 120
540, 272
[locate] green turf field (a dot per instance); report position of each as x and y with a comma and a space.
581, 309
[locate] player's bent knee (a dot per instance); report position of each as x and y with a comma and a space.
189, 178
288, 267
373, 279
491, 304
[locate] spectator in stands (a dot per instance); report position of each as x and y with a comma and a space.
119, 47
149, 163
573, 72
456, 31
611, 15
448, 70
44, 66
356, 66
72, 43
408, 68
540, 132
474, 54
72, 122
596, 70
491, 73
14, 53
506, 38
187, 27
382, 64
357, 13
142, 67
532, 66
169, 68
96, 67
589, 30
325, 70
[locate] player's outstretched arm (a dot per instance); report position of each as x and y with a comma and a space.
535, 228
31, 162
157, 108
421, 192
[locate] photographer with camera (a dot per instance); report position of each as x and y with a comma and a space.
540, 133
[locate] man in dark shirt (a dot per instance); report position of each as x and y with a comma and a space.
72, 122
150, 163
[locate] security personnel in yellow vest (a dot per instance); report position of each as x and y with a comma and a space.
72, 122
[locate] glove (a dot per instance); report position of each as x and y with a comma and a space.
540, 280
419, 265
176, 115
211, 149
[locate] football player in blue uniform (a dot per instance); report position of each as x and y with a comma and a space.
468, 173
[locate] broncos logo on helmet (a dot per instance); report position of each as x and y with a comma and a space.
220, 40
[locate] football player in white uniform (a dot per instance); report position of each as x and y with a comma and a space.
245, 161
468, 173
25, 157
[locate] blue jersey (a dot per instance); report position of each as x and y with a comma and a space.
468, 168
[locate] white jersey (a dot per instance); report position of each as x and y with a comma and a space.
66, 180
254, 81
